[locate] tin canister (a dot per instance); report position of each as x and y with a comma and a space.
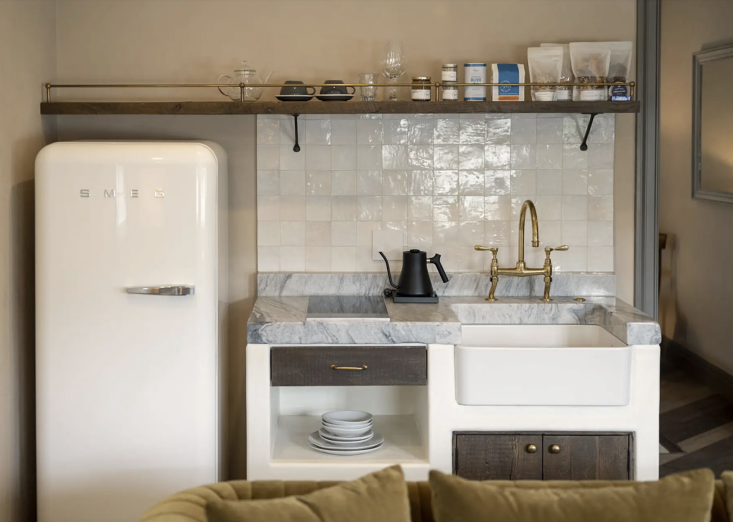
475, 73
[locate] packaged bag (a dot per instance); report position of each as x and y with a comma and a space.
507, 73
566, 74
590, 62
619, 69
545, 66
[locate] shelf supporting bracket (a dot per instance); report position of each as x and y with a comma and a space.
296, 147
584, 145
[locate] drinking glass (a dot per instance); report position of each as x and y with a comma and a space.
394, 64
368, 93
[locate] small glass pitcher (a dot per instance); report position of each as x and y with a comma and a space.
247, 76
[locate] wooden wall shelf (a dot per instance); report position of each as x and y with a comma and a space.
317, 107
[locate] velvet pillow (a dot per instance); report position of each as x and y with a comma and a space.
684, 497
381, 496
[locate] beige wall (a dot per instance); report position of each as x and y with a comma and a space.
313, 40
697, 288
27, 59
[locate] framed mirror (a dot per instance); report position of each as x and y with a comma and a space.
712, 125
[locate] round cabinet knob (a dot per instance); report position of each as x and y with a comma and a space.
554, 449
531, 448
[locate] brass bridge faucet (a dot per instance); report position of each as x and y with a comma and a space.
521, 269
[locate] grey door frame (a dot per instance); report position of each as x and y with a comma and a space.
646, 254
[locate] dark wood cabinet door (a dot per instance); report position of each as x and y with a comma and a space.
498, 457
585, 457
348, 365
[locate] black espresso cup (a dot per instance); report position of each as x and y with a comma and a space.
297, 89
336, 88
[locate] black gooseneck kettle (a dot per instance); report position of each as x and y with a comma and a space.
415, 285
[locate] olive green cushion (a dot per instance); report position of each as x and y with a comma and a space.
685, 497
381, 496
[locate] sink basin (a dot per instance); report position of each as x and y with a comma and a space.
541, 365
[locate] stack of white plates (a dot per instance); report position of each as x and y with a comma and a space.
346, 433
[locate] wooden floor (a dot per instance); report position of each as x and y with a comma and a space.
695, 425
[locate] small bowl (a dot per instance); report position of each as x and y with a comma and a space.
341, 432
347, 417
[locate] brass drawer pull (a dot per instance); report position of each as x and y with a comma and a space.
531, 448
554, 449
351, 368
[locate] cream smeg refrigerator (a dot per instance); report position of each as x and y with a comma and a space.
130, 293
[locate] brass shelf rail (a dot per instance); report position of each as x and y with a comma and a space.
243, 87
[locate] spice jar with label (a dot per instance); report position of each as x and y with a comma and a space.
449, 72
421, 88
449, 92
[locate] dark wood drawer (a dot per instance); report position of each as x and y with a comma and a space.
335, 365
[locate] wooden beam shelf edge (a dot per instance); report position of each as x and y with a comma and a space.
315, 107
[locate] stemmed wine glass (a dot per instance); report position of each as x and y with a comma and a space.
393, 66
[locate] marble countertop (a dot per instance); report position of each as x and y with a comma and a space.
282, 320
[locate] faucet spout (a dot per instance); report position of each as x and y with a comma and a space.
535, 228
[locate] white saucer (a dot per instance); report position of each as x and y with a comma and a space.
344, 453
336, 438
348, 417
316, 440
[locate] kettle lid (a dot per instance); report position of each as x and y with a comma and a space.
414, 251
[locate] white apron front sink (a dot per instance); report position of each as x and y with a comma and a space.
541, 365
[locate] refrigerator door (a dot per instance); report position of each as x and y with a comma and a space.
127, 402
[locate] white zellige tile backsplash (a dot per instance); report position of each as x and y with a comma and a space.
446, 182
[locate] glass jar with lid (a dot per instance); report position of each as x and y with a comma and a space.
449, 72
421, 88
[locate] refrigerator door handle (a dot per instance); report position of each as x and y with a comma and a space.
173, 290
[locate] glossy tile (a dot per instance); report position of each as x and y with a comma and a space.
472, 132
292, 183
446, 131
471, 157
292, 233
420, 183
394, 208
600, 259
471, 208
471, 182
292, 258
369, 132
343, 259
394, 157
523, 182
395, 182
497, 208
497, 156
317, 132
420, 208
498, 131
344, 132
343, 157
290, 160
317, 233
343, 208
549, 182
524, 156
445, 182
268, 182
369, 208
369, 182
318, 183
420, 156
497, 182
549, 208
600, 208
395, 131
600, 233
549, 130
575, 233
369, 157
600, 182
317, 259
445, 208
524, 131
575, 182
445, 157
317, 157
420, 131
343, 183
549, 155
268, 132
343, 233
268, 233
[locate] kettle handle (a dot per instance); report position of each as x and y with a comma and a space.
436, 261
219, 80
389, 273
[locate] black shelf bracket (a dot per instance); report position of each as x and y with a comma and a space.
583, 146
296, 147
